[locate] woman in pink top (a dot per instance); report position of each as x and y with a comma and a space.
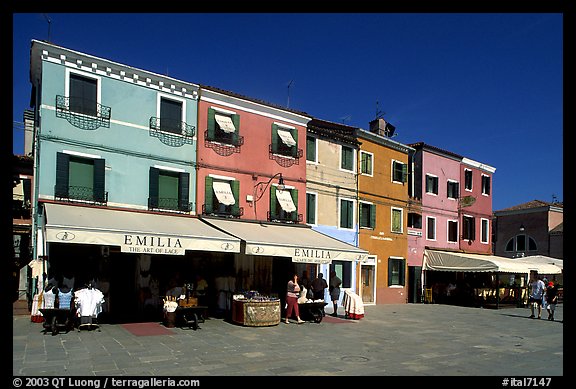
293, 291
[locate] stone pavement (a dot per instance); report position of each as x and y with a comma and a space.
391, 340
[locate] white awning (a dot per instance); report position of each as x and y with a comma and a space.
223, 192
225, 123
299, 242
133, 231
543, 264
285, 199
286, 137
464, 262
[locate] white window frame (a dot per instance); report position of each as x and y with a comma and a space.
437, 182
167, 96
457, 194
360, 202
315, 194
482, 221
448, 231
392, 170
353, 160
87, 75
392, 209
371, 163
471, 172
354, 211
435, 227
482, 184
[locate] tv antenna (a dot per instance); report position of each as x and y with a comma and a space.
49, 25
289, 85
346, 118
379, 113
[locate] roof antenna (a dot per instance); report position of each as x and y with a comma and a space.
49, 24
289, 85
379, 114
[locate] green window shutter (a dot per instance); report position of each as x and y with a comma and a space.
294, 193
62, 175
236, 134
235, 186
404, 172
274, 138
211, 124
208, 196
184, 192
273, 203
311, 149
373, 216
390, 271
295, 147
153, 187
99, 180
401, 272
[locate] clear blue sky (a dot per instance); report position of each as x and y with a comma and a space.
487, 86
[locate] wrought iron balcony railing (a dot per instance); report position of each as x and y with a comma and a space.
82, 113
222, 210
172, 132
168, 204
285, 157
285, 217
81, 194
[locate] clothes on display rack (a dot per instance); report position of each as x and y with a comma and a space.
88, 303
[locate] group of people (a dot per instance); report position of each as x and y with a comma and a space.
542, 293
316, 288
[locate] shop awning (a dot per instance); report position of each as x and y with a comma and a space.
464, 262
134, 232
543, 264
299, 242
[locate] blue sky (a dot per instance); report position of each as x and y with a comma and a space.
487, 86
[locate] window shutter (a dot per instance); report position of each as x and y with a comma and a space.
274, 138
404, 172
273, 203
390, 271
472, 228
235, 186
62, 175
295, 147
236, 134
373, 216
402, 271
153, 187
208, 196
211, 124
99, 180
294, 194
183, 192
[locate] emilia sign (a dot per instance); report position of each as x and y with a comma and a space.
311, 256
146, 244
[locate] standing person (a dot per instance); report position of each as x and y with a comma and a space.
552, 299
537, 289
306, 283
335, 283
292, 294
319, 284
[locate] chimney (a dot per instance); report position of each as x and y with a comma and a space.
381, 127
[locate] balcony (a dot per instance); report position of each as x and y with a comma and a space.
285, 217
172, 132
285, 157
222, 210
82, 113
223, 144
166, 204
81, 194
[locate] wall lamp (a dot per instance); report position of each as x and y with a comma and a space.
522, 227
260, 189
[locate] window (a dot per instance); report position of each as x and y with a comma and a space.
469, 228
397, 220
518, 243
452, 231
284, 204
367, 215
83, 93
223, 127
169, 190
346, 214
467, 179
485, 185
171, 115
284, 140
343, 270
311, 208
414, 220
80, 177
311, 149
431, 184
453, 189
396, 271
366, 163
347, 158
430, 228
399, 171
484, 230
221, 197
521, 243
